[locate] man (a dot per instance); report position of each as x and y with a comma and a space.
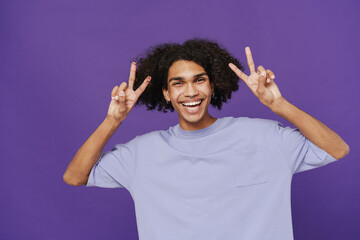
206, 177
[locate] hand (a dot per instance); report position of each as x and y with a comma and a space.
123, 97
261, 83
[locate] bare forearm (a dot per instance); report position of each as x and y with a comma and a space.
311, 128
88, 154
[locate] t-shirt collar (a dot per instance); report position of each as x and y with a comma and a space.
196, 133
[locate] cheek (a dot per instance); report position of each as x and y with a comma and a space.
206, 90
174, 93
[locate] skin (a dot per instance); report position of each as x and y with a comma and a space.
264, 88
188, 87
123, 97
260, 82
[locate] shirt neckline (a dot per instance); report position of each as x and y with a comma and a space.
197, 133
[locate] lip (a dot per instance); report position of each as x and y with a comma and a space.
193, 111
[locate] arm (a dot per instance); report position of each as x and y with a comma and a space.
262, 85
311, 128
77, 173
123, 98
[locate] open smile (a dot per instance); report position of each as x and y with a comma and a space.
192, 107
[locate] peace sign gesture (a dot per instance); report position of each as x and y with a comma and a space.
123, 97
260, 83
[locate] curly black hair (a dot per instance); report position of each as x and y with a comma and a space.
207, 53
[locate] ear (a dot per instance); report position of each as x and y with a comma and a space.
212, 86
166, 94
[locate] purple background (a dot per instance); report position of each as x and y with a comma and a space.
61, 59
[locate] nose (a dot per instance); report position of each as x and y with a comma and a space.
190, 90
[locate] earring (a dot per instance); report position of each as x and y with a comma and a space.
213, 95
168, 102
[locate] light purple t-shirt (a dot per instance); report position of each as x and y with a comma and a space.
231, 180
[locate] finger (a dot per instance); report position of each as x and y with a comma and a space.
271, 74
132, 75
125, 88
261, 70
250, 60
121, 88
143, 86
113, 93
261, 83
258, 70
268, 76
238, 72
122, 100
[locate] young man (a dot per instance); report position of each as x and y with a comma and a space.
206, 177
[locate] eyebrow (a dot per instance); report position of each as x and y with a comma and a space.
181, 78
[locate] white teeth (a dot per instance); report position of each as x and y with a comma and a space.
191, 103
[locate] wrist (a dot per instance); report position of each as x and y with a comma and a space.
110, 120
278, 105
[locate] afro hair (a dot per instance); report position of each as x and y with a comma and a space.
208, 54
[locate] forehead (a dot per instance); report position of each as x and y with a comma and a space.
184, 68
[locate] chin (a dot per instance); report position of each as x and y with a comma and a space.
193, 119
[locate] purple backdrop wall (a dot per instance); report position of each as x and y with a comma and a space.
60, 60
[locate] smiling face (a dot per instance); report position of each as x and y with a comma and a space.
189, 90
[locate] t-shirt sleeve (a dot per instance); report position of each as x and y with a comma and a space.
299, 151
115, 168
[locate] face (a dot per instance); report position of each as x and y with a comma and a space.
189, 91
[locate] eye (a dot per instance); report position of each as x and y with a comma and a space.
176, 83
200, 79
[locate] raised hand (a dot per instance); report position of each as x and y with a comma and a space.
261, 83
123, 97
